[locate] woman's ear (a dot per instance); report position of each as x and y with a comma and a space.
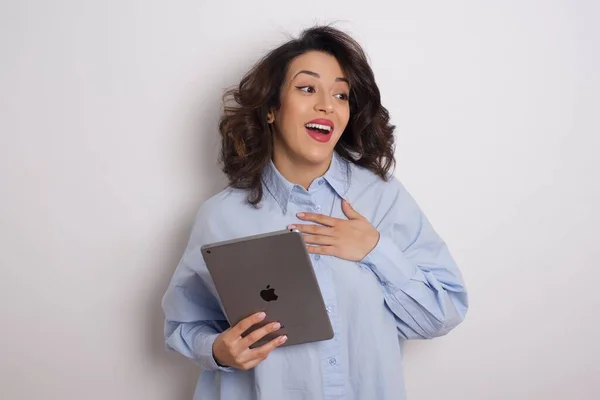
270, 117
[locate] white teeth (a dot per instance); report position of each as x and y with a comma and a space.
317, 126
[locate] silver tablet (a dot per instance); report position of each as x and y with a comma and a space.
272, 273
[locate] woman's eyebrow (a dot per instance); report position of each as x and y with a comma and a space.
311, 73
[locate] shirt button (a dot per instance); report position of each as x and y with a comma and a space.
321, 181
318, 208
332, 361
317, 257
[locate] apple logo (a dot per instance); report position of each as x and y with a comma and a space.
268, 294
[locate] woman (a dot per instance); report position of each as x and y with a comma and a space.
308, 144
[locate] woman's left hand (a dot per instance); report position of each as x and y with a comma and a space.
350, 239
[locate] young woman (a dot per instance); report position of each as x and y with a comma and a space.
307, 143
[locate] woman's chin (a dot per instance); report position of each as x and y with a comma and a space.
317, 156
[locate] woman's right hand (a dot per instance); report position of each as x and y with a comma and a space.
232, 350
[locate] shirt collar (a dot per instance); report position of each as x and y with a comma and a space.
338, 176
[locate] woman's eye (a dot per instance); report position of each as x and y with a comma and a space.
342, 96
307, 89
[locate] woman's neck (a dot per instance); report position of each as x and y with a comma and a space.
298, 172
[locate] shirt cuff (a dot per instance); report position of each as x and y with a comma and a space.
389, 264
204, 351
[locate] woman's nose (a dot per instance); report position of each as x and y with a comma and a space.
324, 104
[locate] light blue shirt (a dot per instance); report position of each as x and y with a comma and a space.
408, 287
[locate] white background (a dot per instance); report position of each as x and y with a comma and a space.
108, 144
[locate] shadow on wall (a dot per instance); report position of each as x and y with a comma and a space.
181, 373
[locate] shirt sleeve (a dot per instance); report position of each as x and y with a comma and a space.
422, 284
193, 316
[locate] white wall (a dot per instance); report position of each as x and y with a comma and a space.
108, 139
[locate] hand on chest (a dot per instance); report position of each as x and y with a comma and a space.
343, 232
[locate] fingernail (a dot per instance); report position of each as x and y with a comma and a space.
300, 214
291, 226
276, 326
283, 339
261, 315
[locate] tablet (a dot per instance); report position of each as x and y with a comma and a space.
272, 273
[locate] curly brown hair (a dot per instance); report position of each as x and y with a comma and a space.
246, 141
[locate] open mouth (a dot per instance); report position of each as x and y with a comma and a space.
318, 128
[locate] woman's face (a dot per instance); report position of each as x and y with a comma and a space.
314, 110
